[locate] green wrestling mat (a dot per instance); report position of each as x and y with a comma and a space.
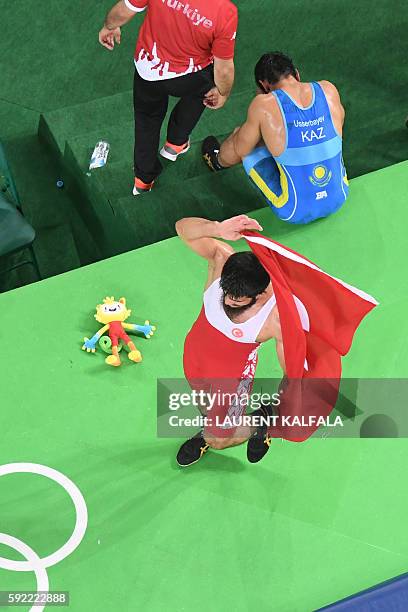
310, 524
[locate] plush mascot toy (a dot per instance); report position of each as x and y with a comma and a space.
113, 314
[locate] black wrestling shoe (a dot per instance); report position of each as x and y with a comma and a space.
259, 443
209, 150
191, 451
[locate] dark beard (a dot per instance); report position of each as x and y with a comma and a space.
233, 312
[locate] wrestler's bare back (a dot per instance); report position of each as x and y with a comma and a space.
265, 110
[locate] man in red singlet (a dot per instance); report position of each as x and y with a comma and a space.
220, 351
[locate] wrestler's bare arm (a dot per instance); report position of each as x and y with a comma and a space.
281, 355
202, 236
264, 125
272, 329
243, 139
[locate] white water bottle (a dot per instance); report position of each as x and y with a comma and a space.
99, 155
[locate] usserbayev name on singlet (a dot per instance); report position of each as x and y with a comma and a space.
309, 123
247, 420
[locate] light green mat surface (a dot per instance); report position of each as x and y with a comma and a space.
312, 523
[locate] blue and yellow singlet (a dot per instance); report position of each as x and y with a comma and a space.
308, 180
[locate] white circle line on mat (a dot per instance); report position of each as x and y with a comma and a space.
34, 560
81, 521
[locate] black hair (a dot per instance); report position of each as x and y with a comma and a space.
274, 66
243, 276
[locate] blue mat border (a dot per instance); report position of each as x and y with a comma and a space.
391, 595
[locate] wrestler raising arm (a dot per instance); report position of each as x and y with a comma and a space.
239, 314
203, 237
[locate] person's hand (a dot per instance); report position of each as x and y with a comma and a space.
231, 229
108, 38
214, 100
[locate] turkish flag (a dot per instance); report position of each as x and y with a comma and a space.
319, 315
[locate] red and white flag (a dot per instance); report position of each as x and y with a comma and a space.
319, 315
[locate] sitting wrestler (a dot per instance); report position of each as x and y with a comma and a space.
290, 144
